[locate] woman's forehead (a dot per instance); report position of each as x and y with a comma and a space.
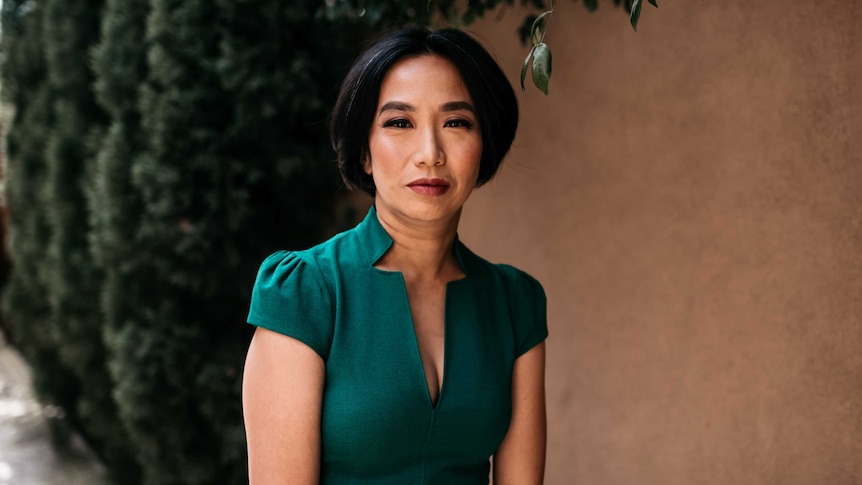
423, 79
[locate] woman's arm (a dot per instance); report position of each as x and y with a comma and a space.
282, 394
520, 460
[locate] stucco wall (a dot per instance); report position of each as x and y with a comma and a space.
691, 198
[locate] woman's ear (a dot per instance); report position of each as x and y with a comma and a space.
366, 164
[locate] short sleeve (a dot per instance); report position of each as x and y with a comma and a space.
289, 297
529, 309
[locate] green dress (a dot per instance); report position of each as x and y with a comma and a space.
379, 425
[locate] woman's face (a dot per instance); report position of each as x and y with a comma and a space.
425, 143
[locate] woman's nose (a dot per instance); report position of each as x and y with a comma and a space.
429, 151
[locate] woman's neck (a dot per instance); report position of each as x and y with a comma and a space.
420, 249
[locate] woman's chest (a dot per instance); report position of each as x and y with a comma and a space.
378, 413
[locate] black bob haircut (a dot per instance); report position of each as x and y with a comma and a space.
493, 98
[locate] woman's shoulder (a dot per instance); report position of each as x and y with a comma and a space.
321, 258
523, 290
286, 274
521, 293
293, 294
512, 277
516, 276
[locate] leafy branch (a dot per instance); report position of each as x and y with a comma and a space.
540, 53
636, 12
380, 13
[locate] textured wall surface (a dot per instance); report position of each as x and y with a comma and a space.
691, 198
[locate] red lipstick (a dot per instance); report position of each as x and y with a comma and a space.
426, 186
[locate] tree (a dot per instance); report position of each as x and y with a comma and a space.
70, 28
119, 63
26, 310
177, 252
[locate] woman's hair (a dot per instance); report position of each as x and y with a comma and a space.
492, 95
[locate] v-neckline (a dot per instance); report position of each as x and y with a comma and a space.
432, 403
378, 243
417, 352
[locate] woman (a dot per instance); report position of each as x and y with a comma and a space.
391, 354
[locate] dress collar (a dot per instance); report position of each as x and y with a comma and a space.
376, 241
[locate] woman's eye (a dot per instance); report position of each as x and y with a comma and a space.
458, 123
397, 123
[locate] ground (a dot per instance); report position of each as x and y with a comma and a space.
27, 456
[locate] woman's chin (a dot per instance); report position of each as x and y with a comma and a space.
430, 209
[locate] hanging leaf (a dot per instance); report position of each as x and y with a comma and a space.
537, 32
636, 13
542, 67
652, 2
525, 66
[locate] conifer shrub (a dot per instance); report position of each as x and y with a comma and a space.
27, 312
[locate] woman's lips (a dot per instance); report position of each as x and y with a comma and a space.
429, 186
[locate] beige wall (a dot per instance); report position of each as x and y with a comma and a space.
691, 198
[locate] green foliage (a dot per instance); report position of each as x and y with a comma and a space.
182, 252
70, 28
539, 53
119, 61
535, 27
635, 14
48, 308
542, 67
26, 88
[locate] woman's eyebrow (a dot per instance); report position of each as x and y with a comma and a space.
458, 106
396, 106
445, 107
